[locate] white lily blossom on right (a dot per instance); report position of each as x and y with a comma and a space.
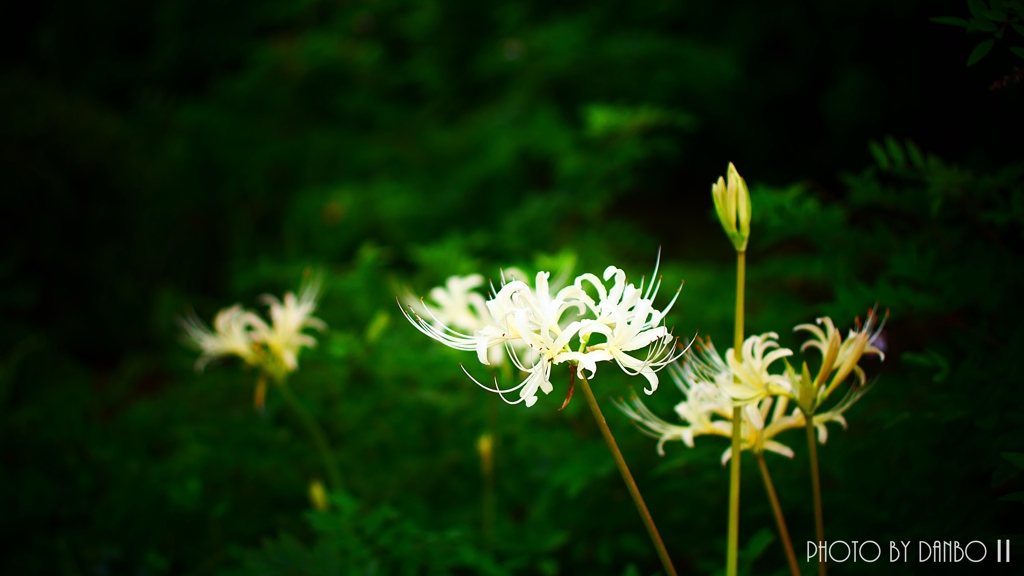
706, 411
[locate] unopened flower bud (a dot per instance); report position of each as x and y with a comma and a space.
318, 495
732, 203
485, 447
807, 391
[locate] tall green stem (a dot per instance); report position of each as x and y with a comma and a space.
741, 279
780, 520
488, 509
319, 440
485, 448
819, 522
732, 550
645, 515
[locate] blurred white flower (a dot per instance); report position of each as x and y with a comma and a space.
460, 306
539, 329
273, 348
232, 335
702, 403
289, 317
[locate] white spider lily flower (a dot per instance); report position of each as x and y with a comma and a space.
744, 381
696, 411
461, 318
840, 357
630, 331
289, 317
495, 332
232, 335
540, 327
627, 319
732, 204
704, 411
758, 432
537, 324
460, 306
752, 380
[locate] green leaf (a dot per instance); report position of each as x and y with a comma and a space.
895, 151
1019, 51
977, 8
879, 153
756, 546
377, 326
1018, 28
995, 15
1015, 458
1015, 497
979, 24
605, 120
916, 157
980, 51
950, 20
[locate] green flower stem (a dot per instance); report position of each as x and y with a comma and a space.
780, 520
645, 515
741, 278
819, 522
487, 519
319, 440
490, 505
733, 546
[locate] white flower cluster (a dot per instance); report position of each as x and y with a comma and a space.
712, 386
704, 412
243, 333
541, 326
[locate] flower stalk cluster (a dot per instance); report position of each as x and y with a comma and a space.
750, 397
714, 385
594, 319
717, 387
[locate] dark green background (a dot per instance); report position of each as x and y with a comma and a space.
162, 156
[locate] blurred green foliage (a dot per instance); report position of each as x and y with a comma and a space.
166, 155
991, 18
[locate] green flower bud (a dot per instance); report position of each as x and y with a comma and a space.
732, 203
804, 387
